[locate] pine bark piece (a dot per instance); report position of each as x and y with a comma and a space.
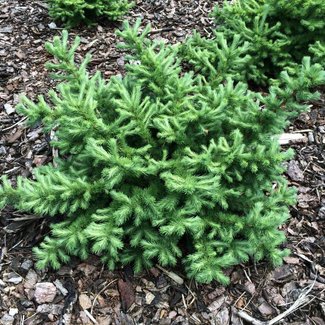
127, 295
31, 279
294, 171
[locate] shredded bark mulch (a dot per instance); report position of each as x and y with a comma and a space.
85, 292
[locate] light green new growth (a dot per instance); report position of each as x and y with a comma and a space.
164, 165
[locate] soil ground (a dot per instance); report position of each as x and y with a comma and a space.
85, 292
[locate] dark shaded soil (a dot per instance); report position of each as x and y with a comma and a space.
86, 293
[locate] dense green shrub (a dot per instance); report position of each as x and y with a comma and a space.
280, 32
73, 12
163, 165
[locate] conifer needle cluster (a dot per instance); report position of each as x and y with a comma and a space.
280, 32
164, 165
74, 12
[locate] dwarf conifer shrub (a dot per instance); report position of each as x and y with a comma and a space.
74, 12
280, 32
162, 165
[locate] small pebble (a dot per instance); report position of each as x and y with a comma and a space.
26, 265
52, 25
321, 128
9, 108
44, 292
85, 301
172, 314
13, 311
149, 298
7, 320
14, 278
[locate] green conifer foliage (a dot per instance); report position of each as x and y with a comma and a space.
163, 165
280, 32
74, 12
318, 50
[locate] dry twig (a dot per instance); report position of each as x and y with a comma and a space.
302, 300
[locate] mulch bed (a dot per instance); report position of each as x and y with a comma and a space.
85, 292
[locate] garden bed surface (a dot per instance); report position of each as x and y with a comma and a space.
85, 292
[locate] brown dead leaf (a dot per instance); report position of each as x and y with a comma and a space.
127, 294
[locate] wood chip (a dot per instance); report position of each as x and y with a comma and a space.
84, 301
287, 138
